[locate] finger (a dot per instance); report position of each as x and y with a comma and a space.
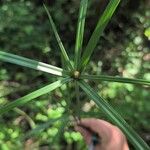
101, 127
85, 133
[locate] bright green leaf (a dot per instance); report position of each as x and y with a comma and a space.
147, 33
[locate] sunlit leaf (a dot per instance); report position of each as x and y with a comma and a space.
25, 62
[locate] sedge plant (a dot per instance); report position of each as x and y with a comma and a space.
74, 73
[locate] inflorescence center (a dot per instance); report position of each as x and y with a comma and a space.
76, 74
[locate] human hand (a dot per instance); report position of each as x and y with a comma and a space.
111, 137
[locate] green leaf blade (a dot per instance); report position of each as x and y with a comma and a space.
62, 48
38, 129
102, 23
116, 79
80, 31
134, 138
22, 61
25, 99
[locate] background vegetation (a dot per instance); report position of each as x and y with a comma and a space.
123, 50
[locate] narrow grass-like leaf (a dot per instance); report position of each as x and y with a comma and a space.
22, 61
37, 130
80, 31
25, 99
103, 21
115, 79
63, 51
134, 138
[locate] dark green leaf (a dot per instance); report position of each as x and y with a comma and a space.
63, 51
80, 31
115, 79
134, 138
44, 126
25, 99
103, 21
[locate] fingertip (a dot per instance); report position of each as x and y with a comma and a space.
86, 135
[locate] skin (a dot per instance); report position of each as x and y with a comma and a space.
111, 136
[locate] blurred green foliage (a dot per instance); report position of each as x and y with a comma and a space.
123, 50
